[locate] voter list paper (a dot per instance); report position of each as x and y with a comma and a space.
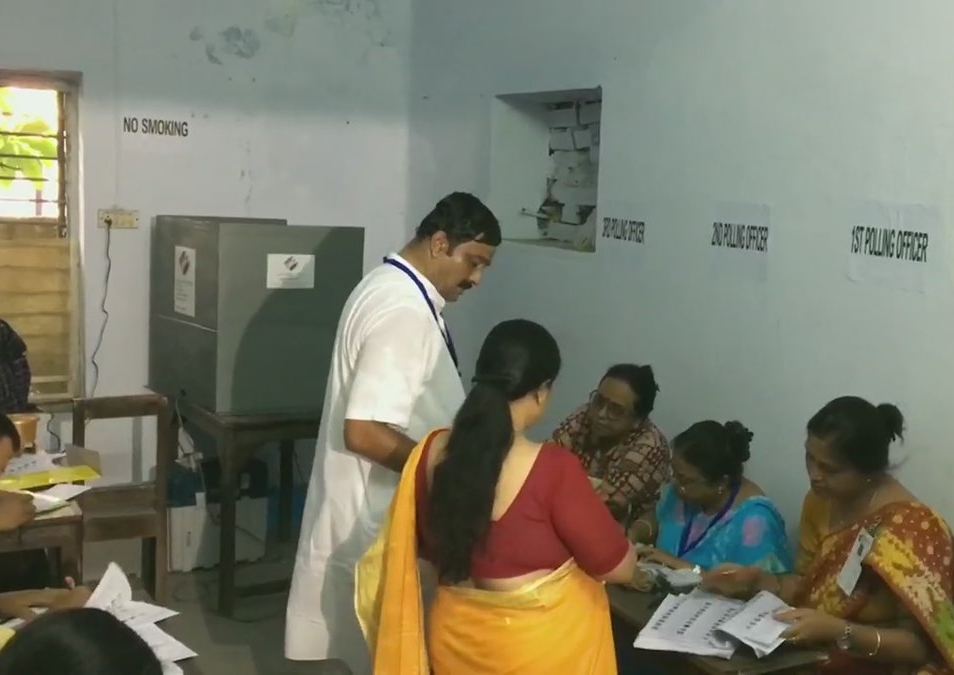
689, 624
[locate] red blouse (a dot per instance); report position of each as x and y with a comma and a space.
556, 515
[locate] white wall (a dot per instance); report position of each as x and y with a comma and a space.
297, 109
803, 105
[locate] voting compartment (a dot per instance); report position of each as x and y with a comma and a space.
243, 313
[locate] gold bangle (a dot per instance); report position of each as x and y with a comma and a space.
877, 646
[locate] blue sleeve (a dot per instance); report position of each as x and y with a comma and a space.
761, 541
667, 511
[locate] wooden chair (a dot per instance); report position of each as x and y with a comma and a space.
135, 510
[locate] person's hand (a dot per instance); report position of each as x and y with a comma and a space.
71, 598
7, 452
652, 554
11, 607
16, 509
810, 627
640, 533
733, 581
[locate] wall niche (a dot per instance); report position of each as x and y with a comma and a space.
544, 166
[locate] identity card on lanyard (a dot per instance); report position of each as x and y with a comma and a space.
445, 332
851, 570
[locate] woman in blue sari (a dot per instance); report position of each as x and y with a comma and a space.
711, 514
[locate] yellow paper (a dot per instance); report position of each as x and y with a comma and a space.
5, 635
66, 474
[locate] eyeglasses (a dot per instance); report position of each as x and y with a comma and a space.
684, 483
611, 409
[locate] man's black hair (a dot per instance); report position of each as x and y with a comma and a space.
463, 218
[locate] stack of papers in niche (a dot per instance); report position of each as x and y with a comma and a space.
709, 625
113, 594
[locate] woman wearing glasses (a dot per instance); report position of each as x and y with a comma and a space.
711, 514
619, 446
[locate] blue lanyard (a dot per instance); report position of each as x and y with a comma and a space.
684, 544
430, 305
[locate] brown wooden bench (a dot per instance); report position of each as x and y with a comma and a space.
137, 510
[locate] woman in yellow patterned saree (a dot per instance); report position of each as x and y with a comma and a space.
521, 542
875, 574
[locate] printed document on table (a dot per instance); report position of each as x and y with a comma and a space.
689, 624
113, 590
65, 491
755, 624
164, 646
114, 594
27, 464
135, 613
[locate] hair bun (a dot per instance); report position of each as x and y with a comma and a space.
650, 376
892, 419
739, 440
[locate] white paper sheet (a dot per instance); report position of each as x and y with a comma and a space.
13, 624
898, 246
113, 590
755, 624
689, 624
45, 503
27, 464
183, 292
136, 613
66, 491
166, 648
739, 241
289, 270
114, 595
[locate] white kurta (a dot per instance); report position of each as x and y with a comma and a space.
389, 364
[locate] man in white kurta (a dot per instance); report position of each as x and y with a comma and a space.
393, 365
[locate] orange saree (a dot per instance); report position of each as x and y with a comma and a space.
557, 624
912, 559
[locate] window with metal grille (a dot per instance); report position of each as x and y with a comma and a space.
38, 258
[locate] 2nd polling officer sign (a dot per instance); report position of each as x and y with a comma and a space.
895, 245
739, 236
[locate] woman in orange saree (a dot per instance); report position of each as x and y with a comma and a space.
875, 575
553, 620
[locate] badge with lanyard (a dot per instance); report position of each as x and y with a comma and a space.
685, 545
445, 333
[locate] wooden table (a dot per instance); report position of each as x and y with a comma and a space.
634, 609
238, 438
59, 531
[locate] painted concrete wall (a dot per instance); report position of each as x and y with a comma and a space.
807, 107
296, 109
